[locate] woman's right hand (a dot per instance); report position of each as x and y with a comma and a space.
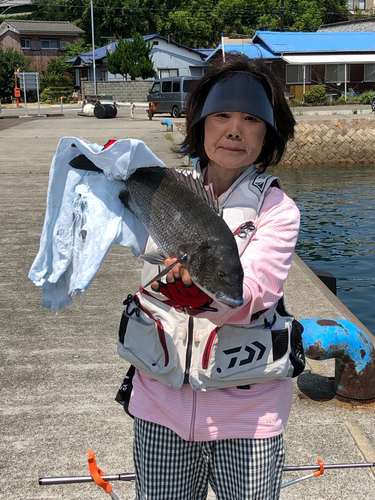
180, 288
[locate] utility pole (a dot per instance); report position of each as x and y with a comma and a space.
282, 8
93, 46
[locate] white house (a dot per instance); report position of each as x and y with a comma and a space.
169, 58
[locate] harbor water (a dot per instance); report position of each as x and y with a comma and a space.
337, 233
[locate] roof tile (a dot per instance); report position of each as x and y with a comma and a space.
44, 27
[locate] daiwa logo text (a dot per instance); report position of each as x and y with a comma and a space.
244, 358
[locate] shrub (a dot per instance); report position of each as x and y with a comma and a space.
316, 95
55, 93
56, 66
349, 100
295, 102
366, 96
56, 80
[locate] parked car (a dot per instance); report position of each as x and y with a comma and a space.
169, 94
373, 103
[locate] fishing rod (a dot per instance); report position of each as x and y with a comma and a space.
321, 470
101, 479
126, 476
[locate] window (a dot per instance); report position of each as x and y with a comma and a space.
196, 71
335, 73
356, 4
369, 72
166, 87
165, 73
50, 44
188, 84
155, 88
155, 43
294, 73
176, 87
25, 43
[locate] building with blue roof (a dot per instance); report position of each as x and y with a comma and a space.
340, 60
343, 61
170, 59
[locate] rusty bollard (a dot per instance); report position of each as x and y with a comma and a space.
353, 351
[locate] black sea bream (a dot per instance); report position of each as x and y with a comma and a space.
185, 226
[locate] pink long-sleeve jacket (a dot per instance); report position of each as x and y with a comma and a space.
263, 410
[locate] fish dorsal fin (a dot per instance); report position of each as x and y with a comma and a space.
196, 185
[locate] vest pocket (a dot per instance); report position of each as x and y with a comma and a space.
234, 355
280, 343
142, 337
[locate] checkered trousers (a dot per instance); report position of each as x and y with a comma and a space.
170, 468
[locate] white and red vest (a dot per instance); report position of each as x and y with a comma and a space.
175, 348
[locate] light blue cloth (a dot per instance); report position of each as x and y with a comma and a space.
85, 216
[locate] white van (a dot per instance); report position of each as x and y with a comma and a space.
169, 94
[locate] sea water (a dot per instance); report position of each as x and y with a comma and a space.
337, 235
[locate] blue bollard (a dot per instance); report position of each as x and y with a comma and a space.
169, 125
352, 349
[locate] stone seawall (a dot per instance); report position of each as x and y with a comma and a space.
331, 141
125, 91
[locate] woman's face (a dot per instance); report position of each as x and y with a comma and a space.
233, 140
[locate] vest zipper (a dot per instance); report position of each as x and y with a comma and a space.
208, 348
189, 349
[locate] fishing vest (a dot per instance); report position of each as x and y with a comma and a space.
175, 348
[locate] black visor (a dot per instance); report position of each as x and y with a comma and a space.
241, 92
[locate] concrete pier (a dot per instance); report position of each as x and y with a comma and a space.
60, 374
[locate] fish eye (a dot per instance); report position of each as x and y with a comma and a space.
221, 275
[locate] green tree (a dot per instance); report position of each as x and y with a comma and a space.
56, 66
334, 11
57, 75
11, 60
132, 58
78, 47
308, 15
194, 23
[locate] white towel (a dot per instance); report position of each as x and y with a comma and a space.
84, 216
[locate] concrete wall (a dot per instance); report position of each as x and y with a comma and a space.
125, 91
332, 141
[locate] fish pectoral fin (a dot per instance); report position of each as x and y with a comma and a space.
154, 257
180, 260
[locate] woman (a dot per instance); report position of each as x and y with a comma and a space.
212, 428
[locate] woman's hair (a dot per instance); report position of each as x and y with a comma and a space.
275, 143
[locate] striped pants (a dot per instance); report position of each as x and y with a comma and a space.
170, 468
